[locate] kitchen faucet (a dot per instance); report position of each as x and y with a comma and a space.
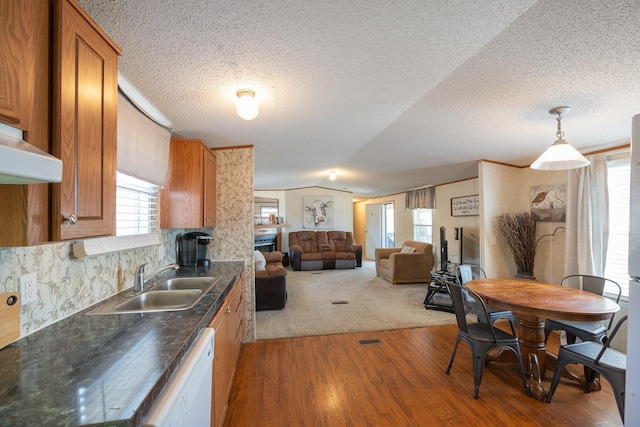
139, 281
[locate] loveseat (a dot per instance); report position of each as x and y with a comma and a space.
271, 281
323, 250
410, 264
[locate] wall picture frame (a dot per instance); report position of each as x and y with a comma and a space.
318, 212
548, 202
465, 205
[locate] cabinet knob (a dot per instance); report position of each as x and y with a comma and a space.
228, 309
73, 218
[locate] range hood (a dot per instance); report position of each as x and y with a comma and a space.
22, 163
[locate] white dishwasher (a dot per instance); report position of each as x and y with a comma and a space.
186, 401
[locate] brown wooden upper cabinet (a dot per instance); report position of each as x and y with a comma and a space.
72, 115
84, 125
24, 103
17, 32
188, 199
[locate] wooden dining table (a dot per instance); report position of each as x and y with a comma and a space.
533, 303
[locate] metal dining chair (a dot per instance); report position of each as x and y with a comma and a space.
482, 337
467, 272
598, 357
586, 331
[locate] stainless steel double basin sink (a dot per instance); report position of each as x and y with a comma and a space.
180, 293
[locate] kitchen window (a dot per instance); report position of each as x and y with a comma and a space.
137, 219
137, 209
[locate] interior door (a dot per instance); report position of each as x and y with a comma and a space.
374, 230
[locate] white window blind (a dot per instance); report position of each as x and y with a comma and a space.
136, 206
616, 268
422, 225
143, 146
137, 220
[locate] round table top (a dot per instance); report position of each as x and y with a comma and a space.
543, 300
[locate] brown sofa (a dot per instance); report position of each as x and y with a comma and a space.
271, 283
399, 267
323, 250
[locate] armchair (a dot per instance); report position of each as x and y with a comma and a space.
405, 267
271, 283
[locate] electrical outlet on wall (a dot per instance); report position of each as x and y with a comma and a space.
28, 288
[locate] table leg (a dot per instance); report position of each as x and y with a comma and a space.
534, 355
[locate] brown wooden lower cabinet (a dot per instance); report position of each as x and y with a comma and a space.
228, 324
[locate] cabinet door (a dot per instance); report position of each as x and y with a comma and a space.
181, 198
15, 17
84, 123
209, 189
24, 103
188, 199
220, 366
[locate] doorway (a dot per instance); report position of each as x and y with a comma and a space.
380, 230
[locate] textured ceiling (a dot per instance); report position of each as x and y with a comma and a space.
392, 94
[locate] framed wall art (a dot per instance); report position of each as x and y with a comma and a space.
318, 212
465, 205
548, 202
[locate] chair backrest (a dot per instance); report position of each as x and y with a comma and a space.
610, 338
594, 284
466, 272
458, 293
307, 240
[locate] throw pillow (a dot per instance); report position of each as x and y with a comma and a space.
260, 261
407, 250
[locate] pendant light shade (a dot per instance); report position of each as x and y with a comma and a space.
247, 106
561, 155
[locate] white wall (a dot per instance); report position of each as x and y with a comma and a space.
442, 218
549, 266
506, 189
403, 219
500, 192
293, 209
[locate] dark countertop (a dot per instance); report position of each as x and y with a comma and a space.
103, 370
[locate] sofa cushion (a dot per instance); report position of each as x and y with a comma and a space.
407, 250
307, 241
311, 256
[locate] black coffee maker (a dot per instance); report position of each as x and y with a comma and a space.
191, 249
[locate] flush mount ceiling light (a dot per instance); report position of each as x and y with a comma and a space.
247, 106
560, 155
332, 175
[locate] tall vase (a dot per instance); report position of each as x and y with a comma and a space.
521, 275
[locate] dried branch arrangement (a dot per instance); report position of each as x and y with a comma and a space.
520, 231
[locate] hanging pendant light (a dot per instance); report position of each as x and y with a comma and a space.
247, 106
560, 155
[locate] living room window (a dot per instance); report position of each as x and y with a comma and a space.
618, 182
423, 225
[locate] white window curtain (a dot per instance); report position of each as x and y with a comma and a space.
587, 218
422, 198
143, 145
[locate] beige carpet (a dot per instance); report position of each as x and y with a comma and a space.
372, 304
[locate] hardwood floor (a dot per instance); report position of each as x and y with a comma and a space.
333, 380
